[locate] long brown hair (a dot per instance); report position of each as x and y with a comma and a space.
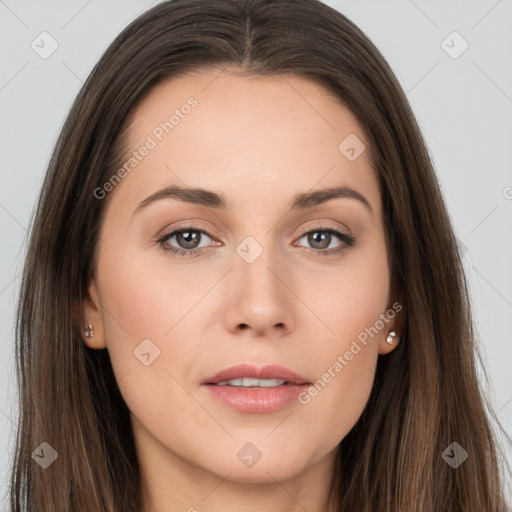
426, 393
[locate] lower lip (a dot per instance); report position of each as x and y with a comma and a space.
257, 400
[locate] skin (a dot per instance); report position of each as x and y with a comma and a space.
259, 141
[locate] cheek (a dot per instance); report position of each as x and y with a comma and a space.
147, 331
345, 363
350, 295
146, 299
353, 306
145, 317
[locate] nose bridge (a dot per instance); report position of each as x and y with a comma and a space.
256, 265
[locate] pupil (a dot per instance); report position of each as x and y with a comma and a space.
190, 239
313, 238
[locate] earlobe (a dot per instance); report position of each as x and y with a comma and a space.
91, 326
390, 338
390, 342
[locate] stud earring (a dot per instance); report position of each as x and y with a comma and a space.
89, 332
390, 337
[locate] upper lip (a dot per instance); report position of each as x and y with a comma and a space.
265, 372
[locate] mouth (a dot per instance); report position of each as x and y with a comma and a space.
249, 389
247, 382
247, 375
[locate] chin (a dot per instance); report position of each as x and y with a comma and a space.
262, 473
266, 464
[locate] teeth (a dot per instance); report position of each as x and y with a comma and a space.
248, 382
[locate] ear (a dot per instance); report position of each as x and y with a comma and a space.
396, 324
93, 316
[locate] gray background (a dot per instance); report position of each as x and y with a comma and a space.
462, 102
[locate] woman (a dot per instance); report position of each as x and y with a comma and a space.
242, 289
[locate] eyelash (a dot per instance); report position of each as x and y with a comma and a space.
349, 240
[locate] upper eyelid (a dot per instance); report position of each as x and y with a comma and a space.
323, 227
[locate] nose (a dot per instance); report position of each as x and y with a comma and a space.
260, 297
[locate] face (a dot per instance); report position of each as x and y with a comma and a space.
250, 272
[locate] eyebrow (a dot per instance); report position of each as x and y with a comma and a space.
211, 199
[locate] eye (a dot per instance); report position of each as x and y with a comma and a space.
322, 237
188, 239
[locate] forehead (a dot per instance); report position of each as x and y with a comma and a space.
249, 136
